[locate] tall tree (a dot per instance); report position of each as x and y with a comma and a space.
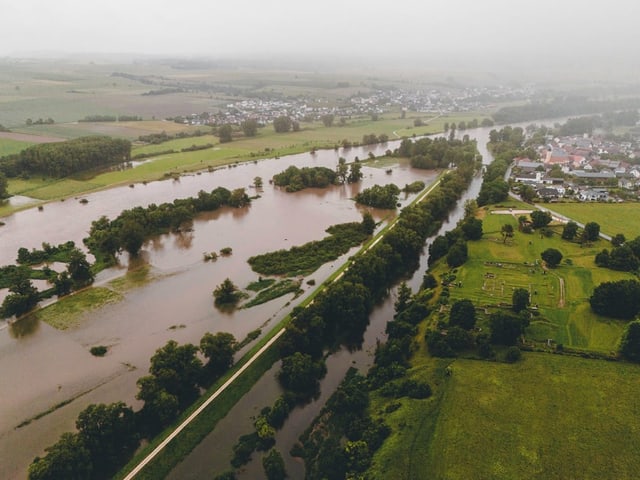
249, 127
225, 133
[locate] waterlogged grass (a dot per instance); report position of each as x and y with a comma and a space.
275, 291
133, 279
69, 311
613, 218
496, 268
261, 284
547, 416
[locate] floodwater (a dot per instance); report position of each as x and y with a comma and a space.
213, 454
44, 369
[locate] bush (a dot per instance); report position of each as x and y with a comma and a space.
512, 355
98, 351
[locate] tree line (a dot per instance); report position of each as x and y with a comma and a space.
65, 158
340, 314
132, 227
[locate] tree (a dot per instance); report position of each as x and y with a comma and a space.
219, 350
630, 342
282, 124
540, 219
3, 186
472, 228
273, 465
527, 193
506, 231
368, 223
109, 434
619, 299
552, 257
227, 293
342, 170
63, 284
79, 269
23, 296
591, 231
618, 239
355, 173
68, 458
131, 237
463, 314
505, 328
519, 299
403, 297
570, 231
257, 182
300, 373
458, 254
249, 127
176, 369
225, 133
328, 119
470, 208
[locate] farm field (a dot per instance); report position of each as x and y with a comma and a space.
547, 416
613, 218
495, 269
9, 146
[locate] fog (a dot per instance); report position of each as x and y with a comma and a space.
502, 34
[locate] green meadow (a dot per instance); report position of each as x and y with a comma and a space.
613, 218
495, 268
547, 416
551, 417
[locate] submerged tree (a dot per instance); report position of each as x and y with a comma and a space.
227, 293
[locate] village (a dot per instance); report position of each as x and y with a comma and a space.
583, 168
306, 108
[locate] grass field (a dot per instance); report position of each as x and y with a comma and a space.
613, 218
9, 146
495, 269
266, 144
546, 417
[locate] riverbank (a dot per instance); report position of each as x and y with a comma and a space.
267, 144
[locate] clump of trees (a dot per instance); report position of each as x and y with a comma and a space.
132, 227
295, 179
227, 294
379, 196
65, 158
304, 259
624, 256
619, 299
430, 153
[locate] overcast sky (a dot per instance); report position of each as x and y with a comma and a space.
468, 29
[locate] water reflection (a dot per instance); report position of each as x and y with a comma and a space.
25, 327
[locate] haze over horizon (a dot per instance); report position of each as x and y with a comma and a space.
494, 34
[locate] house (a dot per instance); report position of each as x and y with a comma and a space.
548, 193
594, 195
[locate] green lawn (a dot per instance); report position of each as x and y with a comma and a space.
546, 417
495, 269
613, 218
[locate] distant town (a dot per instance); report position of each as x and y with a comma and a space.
581, 167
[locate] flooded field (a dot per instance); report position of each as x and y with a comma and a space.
46, 370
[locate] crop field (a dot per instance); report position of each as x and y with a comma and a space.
496, 268
547, 416
613, 218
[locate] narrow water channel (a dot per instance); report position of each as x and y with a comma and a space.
212, 456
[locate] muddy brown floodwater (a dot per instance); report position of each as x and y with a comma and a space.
41, 368
214, 453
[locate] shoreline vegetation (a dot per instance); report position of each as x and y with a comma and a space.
158, 164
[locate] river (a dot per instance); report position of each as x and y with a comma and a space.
212, 455
42, 367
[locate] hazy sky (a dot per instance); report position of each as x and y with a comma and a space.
561, 30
